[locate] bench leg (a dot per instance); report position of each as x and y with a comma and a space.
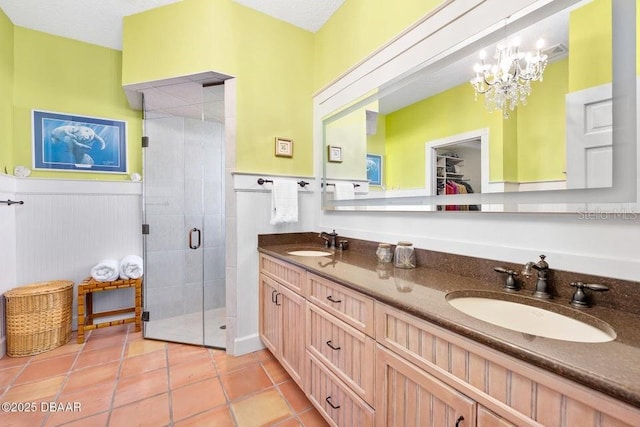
81, 320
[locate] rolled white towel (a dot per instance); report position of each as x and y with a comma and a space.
106, 270
131, 267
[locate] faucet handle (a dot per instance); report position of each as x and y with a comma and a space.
510, 283
580, 298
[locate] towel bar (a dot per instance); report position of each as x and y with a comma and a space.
331, 183
262, 181
11, 202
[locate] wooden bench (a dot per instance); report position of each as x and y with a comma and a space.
86, 316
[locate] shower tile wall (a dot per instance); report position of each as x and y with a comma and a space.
180, 186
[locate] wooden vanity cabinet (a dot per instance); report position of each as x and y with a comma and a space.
507, 390
282, 315
364, 363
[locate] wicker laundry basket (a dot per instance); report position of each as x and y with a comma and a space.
38, 317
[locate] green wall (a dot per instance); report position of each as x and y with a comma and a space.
272, 60
6, 89
63, 75
542, 127
359, 28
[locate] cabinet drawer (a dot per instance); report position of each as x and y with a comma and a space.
408, 396
337, 403
347, 305
347, 352
287, 274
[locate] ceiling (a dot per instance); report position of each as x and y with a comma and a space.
100, 21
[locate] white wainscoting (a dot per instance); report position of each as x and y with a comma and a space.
253, 203
64, 228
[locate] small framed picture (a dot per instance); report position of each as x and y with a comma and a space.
335, 153
374, 169
284, 147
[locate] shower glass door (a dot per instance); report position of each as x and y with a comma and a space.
184, 291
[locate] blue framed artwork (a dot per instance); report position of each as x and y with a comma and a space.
69, 142
374, 169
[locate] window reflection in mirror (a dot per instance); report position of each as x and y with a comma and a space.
437, 136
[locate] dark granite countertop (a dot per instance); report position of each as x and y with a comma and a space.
612, 368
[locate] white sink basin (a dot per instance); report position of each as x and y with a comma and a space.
309, 253
531, 320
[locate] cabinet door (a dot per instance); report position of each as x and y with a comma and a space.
408, 396
292, 312
269, 314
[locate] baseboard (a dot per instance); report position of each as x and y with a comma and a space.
247, 344
3, 346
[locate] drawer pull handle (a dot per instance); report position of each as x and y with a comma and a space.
330, 298
328, 399
330, 344
277, 295
459, 420
273, 296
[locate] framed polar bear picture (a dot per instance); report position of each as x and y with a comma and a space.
69, 142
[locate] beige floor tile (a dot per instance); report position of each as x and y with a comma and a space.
196, 397
153, 411
261, 409
245, 381
136, 348
263, 355
34, 391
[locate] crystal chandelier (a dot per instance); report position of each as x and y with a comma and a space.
507, 83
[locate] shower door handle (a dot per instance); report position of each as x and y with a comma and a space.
199, 241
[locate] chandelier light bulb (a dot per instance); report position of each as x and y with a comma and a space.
506, 83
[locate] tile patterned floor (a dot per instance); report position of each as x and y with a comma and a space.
117, 378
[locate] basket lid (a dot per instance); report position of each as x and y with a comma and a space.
39, 288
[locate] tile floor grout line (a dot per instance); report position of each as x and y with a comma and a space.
117, 380
66, 377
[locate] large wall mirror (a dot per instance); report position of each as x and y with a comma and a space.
535, 113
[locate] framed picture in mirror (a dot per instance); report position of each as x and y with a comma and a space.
335, 153
374, 169
284, 147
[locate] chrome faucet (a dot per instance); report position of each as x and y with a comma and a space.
329, 239
542, 290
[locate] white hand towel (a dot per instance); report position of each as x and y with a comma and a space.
344, 191
284, 202
106, 270
131, 267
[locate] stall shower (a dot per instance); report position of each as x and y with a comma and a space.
184, 213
